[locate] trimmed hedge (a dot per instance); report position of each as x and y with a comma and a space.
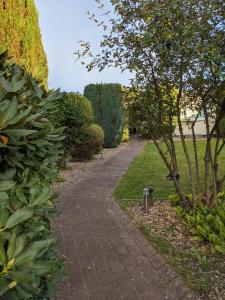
107, 101
20, 35
30, 147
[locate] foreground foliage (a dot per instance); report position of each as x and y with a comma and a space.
30, 147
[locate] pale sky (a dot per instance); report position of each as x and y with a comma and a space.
63, 24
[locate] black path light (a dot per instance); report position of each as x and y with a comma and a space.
171, 177
147, 192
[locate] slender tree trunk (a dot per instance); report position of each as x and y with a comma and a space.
219, 182
209, 164
178, 110
198, 186
215, 160
177, 186
191, 178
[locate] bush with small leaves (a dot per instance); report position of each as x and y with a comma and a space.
74, 112
88, 142
126, 135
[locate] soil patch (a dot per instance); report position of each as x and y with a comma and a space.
202, 269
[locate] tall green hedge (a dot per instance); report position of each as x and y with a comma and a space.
107, 101
20, 35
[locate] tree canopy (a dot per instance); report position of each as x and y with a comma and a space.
173, 45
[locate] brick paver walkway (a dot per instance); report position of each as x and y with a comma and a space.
106, 256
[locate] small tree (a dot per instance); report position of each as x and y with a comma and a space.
176, 49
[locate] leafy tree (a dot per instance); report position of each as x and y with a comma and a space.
20, 35
143, 116
173, 45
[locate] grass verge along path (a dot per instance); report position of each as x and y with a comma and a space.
201, 268
148, 169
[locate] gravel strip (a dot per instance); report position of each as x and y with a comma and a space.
74, 169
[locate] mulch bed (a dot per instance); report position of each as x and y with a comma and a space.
201, 264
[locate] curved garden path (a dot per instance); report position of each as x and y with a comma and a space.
106, 256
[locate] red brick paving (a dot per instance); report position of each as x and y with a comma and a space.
106, 256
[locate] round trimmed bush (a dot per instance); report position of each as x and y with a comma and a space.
75, 112
88, 141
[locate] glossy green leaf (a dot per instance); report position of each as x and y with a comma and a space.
6, 185
19, 216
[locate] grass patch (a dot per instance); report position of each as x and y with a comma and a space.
201, 269
148, 169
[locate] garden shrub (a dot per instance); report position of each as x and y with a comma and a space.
30, 147
206, 224
126, 134
74, 112
107, 101
88, 142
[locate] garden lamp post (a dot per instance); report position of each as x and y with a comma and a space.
147, 192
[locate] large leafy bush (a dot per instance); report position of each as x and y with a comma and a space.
30, 147
107, 101
88, 142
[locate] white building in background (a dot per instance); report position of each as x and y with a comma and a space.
200, 126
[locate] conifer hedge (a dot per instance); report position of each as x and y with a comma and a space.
107, 101
20, 35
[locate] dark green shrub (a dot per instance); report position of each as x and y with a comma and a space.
107, 101
30, 147
75, 112
205, 224
88, 142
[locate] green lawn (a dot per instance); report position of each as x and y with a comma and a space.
148, 169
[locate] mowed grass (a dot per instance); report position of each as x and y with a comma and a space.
148, 169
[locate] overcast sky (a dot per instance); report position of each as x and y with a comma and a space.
63, 24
